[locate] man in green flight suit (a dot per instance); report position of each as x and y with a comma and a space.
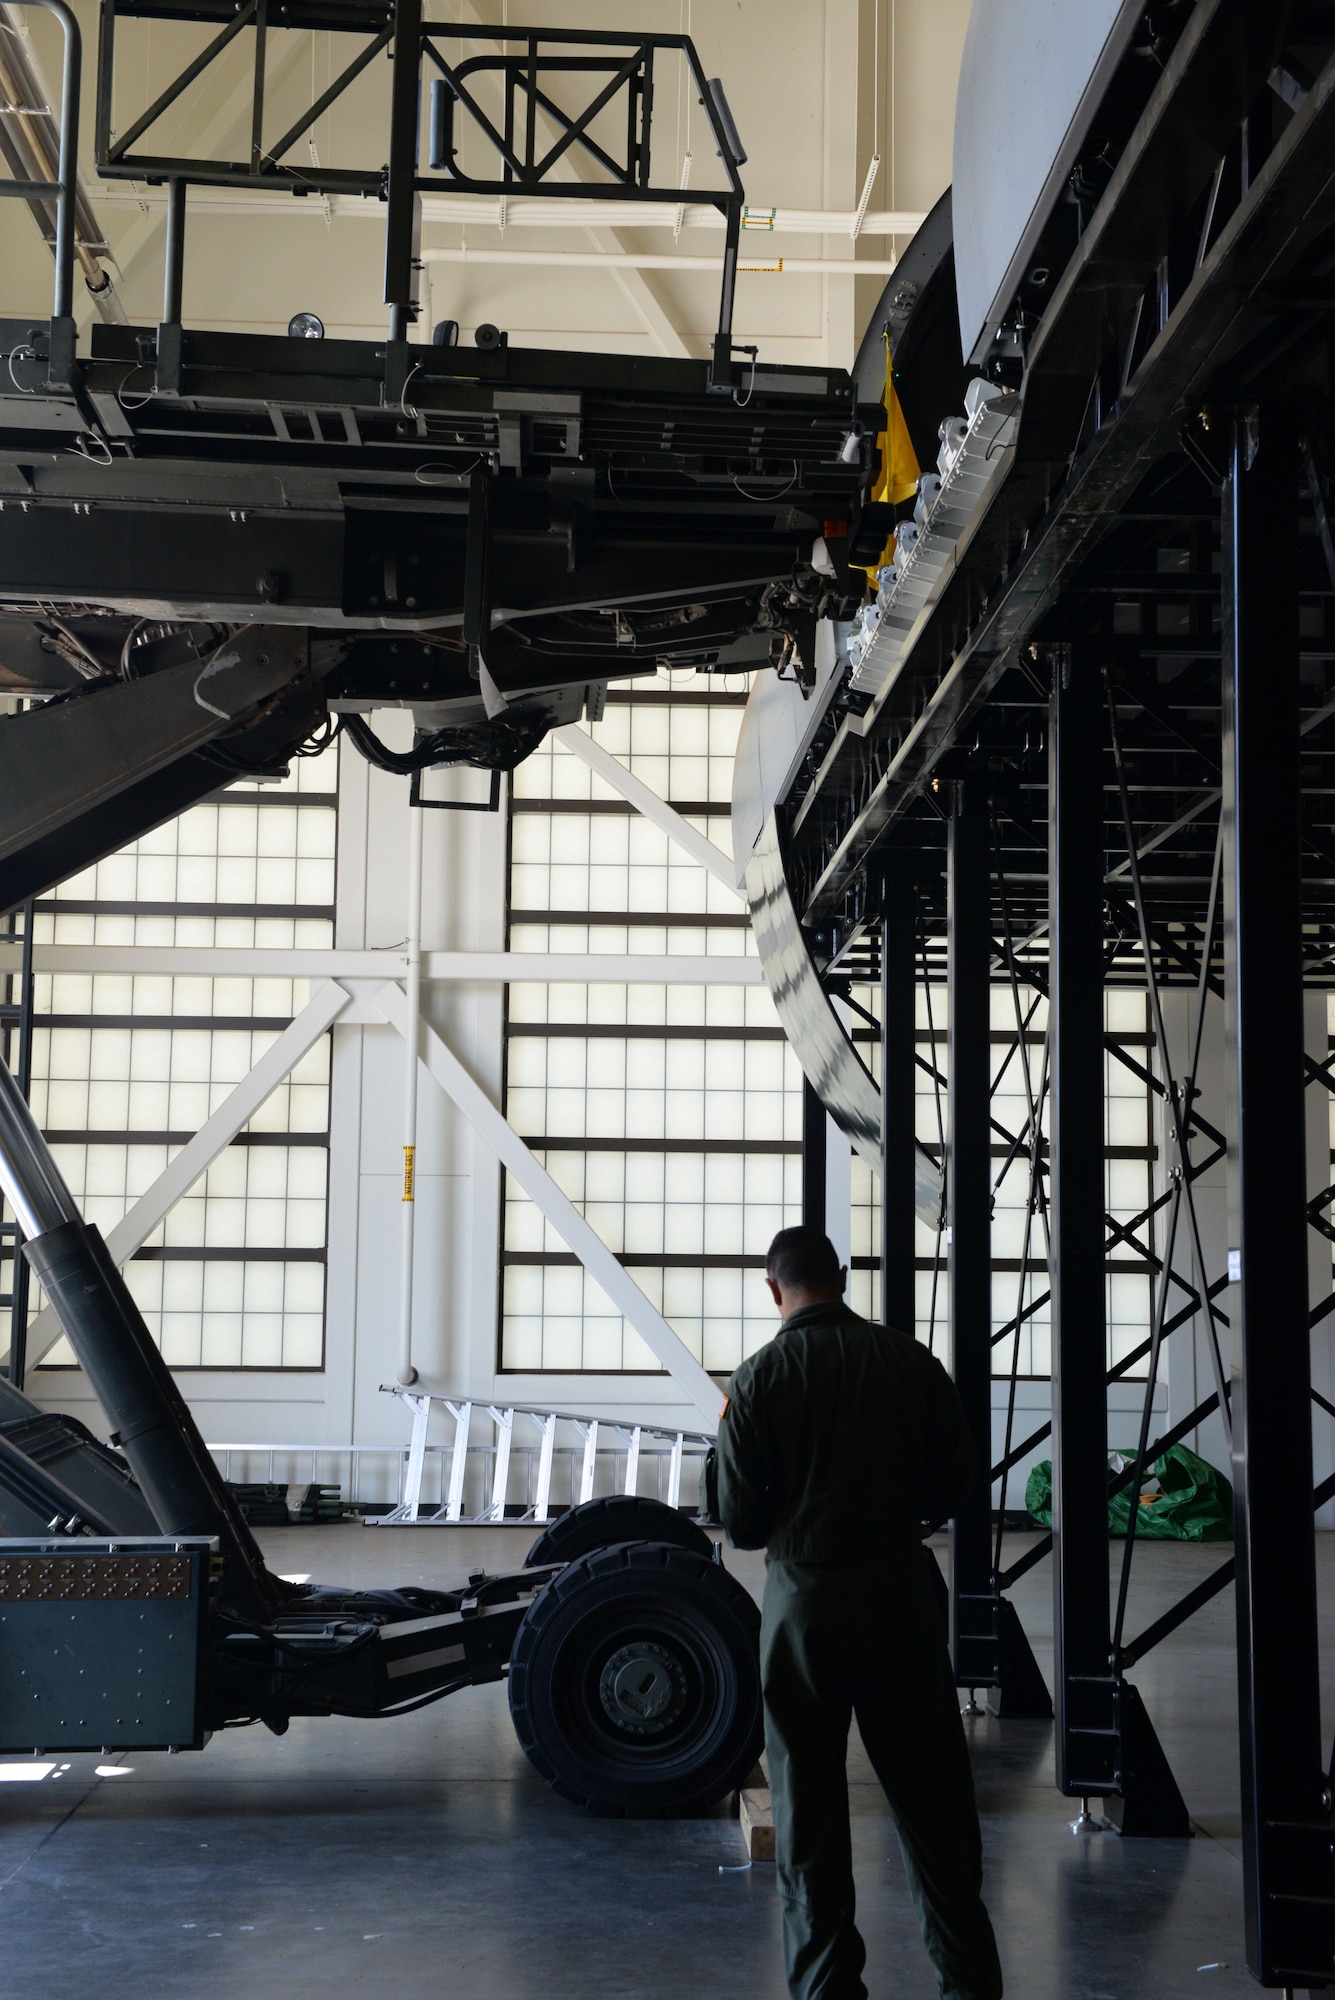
839, 1440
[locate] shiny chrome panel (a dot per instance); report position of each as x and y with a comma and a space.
828, 1058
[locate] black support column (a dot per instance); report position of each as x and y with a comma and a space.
899, 939
403, 221
814, 1142
969, 1216
1286, 1822
1084, 1691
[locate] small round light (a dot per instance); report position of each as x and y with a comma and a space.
306, 326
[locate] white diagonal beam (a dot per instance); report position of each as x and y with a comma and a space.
634, 790
640, 296
496, 1131
197, 1156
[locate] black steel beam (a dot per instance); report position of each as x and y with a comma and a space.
1056, 502
1086, 1716
403, 206
969, 1215
814, 1141
105, 827
64, 762
1288, 1880
20, 1272
899, 1069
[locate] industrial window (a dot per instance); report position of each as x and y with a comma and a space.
1019, 1274
670, 1115
128, 1065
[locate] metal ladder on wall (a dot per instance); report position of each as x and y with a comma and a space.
637, 1440
16, 1016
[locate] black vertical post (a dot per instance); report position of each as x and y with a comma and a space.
173, 276
1085, 1706
402, 221
969, 1181
257, 86
720, 367
899, 937
1286, 1823
20, 1286
814, 1139
170, 345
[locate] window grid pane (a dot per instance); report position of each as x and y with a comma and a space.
127, 1067
679, 1138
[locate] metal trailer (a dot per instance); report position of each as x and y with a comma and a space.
631, 1653
272, 537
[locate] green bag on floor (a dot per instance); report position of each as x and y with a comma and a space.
1193, 1503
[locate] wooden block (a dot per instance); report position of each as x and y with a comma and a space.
757, 1824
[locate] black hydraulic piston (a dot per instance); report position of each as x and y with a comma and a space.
148, 1415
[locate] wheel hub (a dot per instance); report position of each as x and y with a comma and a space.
642, 1688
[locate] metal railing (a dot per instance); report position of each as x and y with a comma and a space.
506, 99
65, 188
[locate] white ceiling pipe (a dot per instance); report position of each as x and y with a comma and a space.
33, 133
554, 212
637, 260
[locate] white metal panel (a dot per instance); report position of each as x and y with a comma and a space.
1031, 80
778, 725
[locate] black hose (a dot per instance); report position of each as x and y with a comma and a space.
488, 746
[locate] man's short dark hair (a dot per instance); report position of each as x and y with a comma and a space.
804, 1259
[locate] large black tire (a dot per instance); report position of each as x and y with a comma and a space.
619, 1517
635, 1682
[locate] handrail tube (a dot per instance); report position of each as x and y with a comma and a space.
65, 186
29, 190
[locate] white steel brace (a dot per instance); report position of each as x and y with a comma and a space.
634, 790
474, 967
497, 1132
213, 1137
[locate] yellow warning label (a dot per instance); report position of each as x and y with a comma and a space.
408, 1152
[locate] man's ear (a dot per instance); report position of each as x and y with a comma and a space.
775, 1292
843, 1277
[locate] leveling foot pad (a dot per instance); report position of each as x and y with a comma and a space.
635, 1682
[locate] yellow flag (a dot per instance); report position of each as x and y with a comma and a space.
900, 471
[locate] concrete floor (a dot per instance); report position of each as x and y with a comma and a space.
424, 1857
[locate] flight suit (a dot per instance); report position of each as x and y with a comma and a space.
839, 1440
